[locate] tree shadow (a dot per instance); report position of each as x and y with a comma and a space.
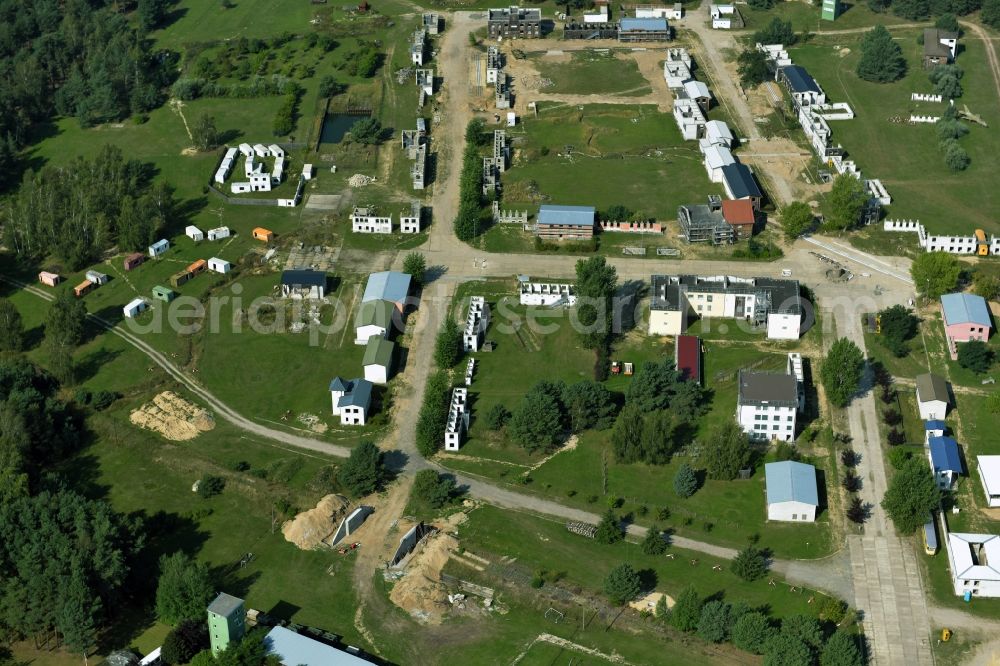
395, 461
92, 363
648, 579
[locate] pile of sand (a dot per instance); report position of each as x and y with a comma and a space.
173, 417
360, 180
420, 591
308, 529
648, 602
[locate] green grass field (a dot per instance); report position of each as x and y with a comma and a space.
592, 73
805, 17
906, 157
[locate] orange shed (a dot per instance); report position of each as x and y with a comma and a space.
198, 266
262, 234
83, 288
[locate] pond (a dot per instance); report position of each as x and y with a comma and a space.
337, 125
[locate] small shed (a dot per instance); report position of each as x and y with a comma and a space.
49, 279
262, 234
135, 307
199, 266
378, 359
687, 357
946, 463
133, 260
180, 278
932, 396
792, 494
97, 278
194, 233
219, 233
164, 294
934, 428
83, 288
159, 247
308, 172
217, 265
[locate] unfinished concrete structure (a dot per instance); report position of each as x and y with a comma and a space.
458, 419
514, 23
476, 322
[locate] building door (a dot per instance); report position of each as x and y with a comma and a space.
741, 306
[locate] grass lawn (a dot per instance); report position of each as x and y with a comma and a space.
592, 73
909, 366
630, 155
547, 545
805, 17
906, 158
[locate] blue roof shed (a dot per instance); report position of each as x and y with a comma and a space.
965, 309
387, 286
944, 455
935, 424
571, 216
790, 481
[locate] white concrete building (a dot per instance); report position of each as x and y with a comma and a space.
378, 360
368, 221
545, 293
717, 133
260, 182
134, 307
675, 12
246, 150
351, 400
975, 564
792, 493
722, 16
717, 157
600, 15
217, 265
308, 171
260, 150
194, 233
989, 476
476, 322
159, 248
458, 419
374, 319
274, 150
219, 233
776, 304
690, 119
932, 397
409, 221
766, 405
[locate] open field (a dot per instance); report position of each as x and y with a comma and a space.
906, 157
591, 73
805, 17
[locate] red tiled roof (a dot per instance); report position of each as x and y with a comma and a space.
687, 357
738, 211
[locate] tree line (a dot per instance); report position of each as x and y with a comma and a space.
78, 211
77, 58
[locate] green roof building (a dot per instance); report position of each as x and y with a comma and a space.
374, 319
164, 294
378, 359
831, 8
226, 622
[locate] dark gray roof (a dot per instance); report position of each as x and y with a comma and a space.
773, 388
225, 604
931, 387
741, 181
799, 80
667, 289
932, 43
305, 277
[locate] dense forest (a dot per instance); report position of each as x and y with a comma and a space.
79, 58
76, 212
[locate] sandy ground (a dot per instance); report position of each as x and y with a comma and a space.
173, 417
648, 602
420, 591
310, 528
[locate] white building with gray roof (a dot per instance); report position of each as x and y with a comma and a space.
766, 405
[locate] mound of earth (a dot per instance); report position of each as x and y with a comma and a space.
173, 417
309, 528
420, 591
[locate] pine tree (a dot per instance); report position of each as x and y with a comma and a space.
687, 610
654, 543
882, 59
685, 481
609, 530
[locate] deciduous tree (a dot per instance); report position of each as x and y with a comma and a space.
975, 355
183, 590
364, 471
796, 219
935, 273
11, 327
448, 346
847, 200
687, 610
415, 264
841, 371
726, 451
911, 496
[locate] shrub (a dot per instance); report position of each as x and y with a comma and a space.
210, 486
654, 543
898, 457
852, 482
750, 563
609, 530
975, 356
891, 417
497, 417
685, 480
896, 437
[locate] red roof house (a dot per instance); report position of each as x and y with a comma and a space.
739, 214
687, 357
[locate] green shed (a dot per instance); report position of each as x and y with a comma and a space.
164, 294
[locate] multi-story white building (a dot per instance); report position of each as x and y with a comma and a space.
351, 400
368, 221
476, 324
776, 304
767, 404
458, 419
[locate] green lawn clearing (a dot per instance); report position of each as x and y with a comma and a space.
592, 73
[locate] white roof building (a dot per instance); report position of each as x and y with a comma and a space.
989, 475
718, 133
975, 563
717, 157
194, 233
697, 90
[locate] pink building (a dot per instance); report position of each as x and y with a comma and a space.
966, 317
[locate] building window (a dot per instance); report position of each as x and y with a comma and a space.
790, 418
795, 516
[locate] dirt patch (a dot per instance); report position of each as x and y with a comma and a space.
310, 528
648, 602
420, 591
173, 417
189, 152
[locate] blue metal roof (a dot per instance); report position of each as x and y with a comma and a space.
387, 286
799, 79
338, 384
297, 650
944, 455
642, 24
740, 181
935, 424
574, 216
790, 481
359, 394
965, 309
